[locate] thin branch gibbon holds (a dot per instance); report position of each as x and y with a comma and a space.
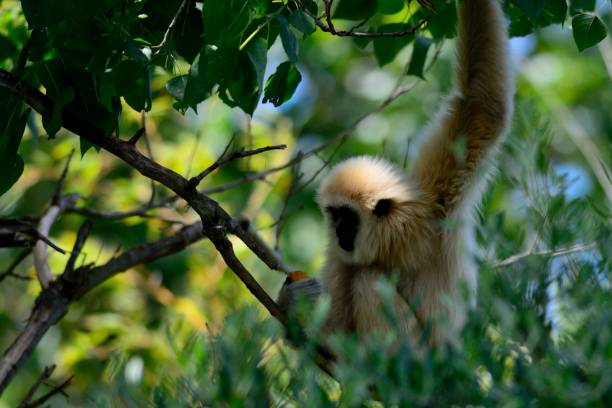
382, 222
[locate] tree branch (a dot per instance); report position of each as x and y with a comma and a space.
209, 210
41, 265
551, 254
238, 154
53, 301
329, 27
43, 377
10, 271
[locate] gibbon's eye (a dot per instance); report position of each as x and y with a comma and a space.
382, 208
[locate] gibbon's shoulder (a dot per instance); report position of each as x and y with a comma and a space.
364, 179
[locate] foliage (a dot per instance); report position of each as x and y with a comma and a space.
224, 44
182, 330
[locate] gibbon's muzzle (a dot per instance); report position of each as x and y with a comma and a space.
346, 223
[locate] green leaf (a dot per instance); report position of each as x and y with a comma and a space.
225, 21
243, 90
85, 145
188, 39
53, 123
199, 83
60, 88
579, 6
443, 23
131, 81
257, 51
419, 55
282, 84
213, 66
355, 9
521, 24
12, 123
176, 87
302, 23
287, 38
386, 48
588, 30
390, 6
532, 8
554, 13
7, 48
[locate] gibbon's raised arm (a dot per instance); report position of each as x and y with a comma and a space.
476, 114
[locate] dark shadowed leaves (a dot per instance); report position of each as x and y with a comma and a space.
442, 23
588, 30
132, 82
521, 23
301, 22
390, 6
12, 125
532, 8
288, 38
386, 48
419, 55
355, 9
188, 34
578, 6
282, 84
257, 51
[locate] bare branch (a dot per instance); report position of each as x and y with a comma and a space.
238, 154
43, 377
61, 181
338, 139
216, 223
78, 245
329, 27
247, 226
52, 303
173, 23
20, 232
55, 390
41, 265
10, 270
142, 211
136, 137
550, 254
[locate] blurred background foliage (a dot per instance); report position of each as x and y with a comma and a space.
183, 331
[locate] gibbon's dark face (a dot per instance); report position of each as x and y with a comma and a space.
346, 222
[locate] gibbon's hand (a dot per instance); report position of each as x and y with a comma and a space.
298, 295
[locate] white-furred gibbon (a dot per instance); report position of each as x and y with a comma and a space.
383, 222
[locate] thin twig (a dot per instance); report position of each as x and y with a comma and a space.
329, 26
62, 180
78, 245
339, 138
551, 254
166, 37
136, 137
142, 211
59, 389
238, 154
41, 378
10, 270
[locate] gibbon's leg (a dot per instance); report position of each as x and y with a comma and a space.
476, 114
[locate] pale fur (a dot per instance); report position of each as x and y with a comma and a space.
430, 263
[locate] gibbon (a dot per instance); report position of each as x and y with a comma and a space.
382, 222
